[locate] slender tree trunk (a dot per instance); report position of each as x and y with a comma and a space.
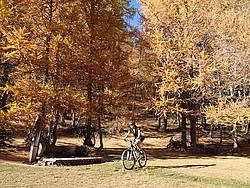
221, 134
247, 128
54, 132
203, 122
235, 139
101, 107
159, 123
4, 79
36, 139
87, 140
100, 133
211, 131
165, 123
193, 135
184, 132
73, 121
47, 53
178, 118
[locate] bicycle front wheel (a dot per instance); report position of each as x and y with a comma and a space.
143, 159
128, 159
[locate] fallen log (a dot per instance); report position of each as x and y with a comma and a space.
62, 151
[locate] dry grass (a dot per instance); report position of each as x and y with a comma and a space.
164, 169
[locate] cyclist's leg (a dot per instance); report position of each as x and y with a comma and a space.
138, 144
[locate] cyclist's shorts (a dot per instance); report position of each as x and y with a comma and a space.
141, 138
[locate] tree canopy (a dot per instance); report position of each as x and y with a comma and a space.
82, 57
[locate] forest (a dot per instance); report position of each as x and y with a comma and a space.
80, 61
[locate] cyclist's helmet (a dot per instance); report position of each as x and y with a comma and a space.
132, 123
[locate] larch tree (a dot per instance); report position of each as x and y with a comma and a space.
109, 45
171, 29
13, 45
76, 61
7, 18
229, 92
185, 47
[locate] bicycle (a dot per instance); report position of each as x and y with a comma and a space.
131, 155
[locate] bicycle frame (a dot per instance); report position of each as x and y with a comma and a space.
133, 148
132, 155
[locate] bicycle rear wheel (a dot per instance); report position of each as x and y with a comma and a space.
143, 158
128, 159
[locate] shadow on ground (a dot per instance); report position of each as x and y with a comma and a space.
180, 166
158, 153
14, 154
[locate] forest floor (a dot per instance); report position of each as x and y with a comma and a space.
165, 168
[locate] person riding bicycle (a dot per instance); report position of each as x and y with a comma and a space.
137, 134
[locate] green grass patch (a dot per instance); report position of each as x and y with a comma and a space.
212, 181
107, 175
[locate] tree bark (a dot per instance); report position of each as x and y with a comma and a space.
159, 123
63, 151
235, 139
35, 143
165, 123
4, 78
193, 135
184, 132
100, 133
87, 140
54, 131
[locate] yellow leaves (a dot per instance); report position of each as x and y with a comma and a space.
28, 100
108, 92
165, 104
6, 13
196, 48
112, 95
227, 112
15, 113
10, 88
17, 44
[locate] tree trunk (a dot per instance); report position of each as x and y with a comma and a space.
47, 53
178, 119
159, 123
4, 78
211, 131
165, 123
247, 128
73, 122
193, 135
235, 139
54, 132
100, 133
221, 134
184, 132
203, 123
87, 140
36, 141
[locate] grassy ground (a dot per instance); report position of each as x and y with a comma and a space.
179, 172
165, 168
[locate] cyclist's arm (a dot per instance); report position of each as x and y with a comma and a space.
139, 134
127, 134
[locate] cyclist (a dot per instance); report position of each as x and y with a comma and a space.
137, 134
